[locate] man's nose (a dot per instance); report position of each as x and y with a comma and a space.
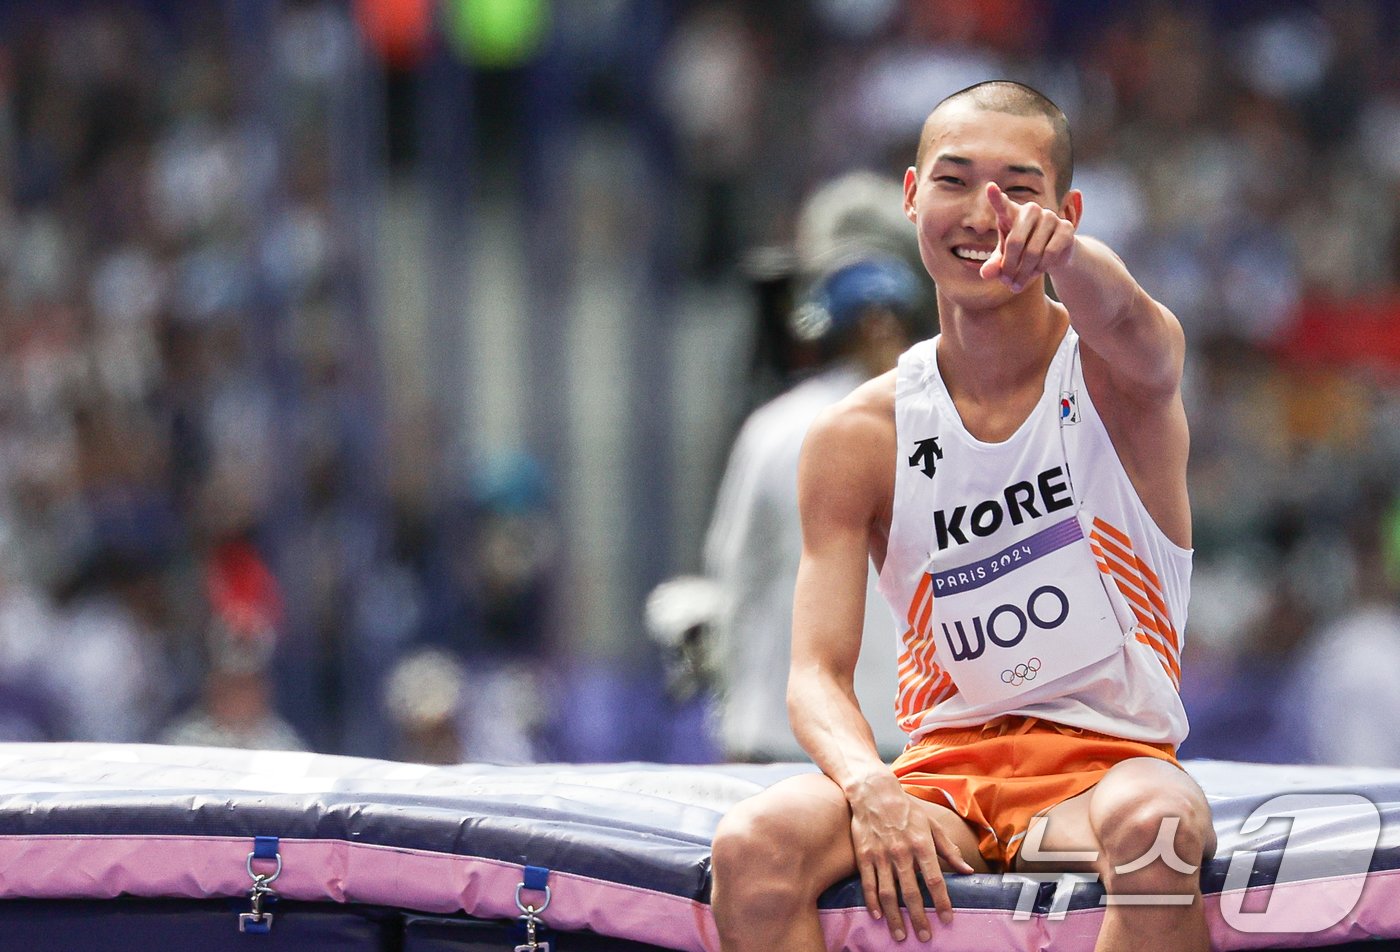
980, 216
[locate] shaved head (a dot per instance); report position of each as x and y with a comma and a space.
1015, 99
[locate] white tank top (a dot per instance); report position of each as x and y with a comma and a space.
970, 517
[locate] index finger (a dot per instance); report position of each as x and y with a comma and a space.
1001, 205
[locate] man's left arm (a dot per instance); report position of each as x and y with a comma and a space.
1134, 350
1139, 339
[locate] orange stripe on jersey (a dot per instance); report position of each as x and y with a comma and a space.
919, 614
905, 660
1147, 572
1127, 543
912, 701
1136, 570
913, 662
1163, 622
928, 693
908, 684
924, 657
1121, 555
1161, 626
1138, 584
923, 644
939, 680
921, 693
1132, 568
925, 584
1160, 643
1154, 590
1128, 585
1114, 552
909, 722
942, 689
922, 681
1131, 592
1153, 622
924, 625
925, 670
1168, 664
1111, 530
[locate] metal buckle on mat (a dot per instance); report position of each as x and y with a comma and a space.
535, 880
258, 922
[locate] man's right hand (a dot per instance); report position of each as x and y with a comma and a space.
894, 840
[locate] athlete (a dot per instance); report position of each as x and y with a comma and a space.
1019, 482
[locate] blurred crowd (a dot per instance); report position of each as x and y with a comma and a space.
214, 530
204, 536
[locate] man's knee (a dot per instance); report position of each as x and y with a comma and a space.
761, 856
772, 856
1155, 838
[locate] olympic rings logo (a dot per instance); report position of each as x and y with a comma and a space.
1021, 673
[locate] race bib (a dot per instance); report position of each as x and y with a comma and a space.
1012, 620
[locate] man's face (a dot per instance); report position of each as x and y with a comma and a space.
946, 196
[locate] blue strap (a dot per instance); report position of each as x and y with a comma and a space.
536, 877
264, 847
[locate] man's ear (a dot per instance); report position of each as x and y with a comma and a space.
1072, 208
911, 185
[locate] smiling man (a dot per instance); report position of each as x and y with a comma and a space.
1038, 568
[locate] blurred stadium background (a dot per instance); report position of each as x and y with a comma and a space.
364, 364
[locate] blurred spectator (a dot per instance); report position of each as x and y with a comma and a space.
493, 571
445, 712
512, 560
710, 89
106, 655
1238, 697
424, 698
754, 542
861, 306
236, 707
1344, 684
29, 711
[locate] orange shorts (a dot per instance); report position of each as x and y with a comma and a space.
1001, 775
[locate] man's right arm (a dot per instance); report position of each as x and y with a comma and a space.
845, 480
838, 498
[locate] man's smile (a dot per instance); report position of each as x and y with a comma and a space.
969, 253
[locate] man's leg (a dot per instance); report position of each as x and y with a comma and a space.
1150, 826
776, 852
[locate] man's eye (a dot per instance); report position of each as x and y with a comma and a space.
1020, 188
948, 180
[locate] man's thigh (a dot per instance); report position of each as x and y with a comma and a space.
809, 816
1070, 827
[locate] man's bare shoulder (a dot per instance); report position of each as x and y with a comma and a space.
863, 416
847, 457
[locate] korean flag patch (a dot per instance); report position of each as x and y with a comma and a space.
1069, 407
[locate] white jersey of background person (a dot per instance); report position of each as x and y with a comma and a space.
752, 550
1130, 693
